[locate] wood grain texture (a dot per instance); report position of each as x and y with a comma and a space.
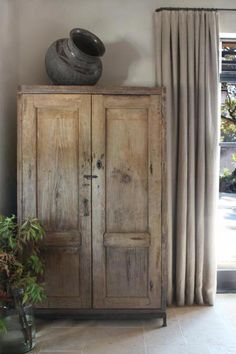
127, 239
98, 200
126, 272
117, 135
61, 281
155, 199
126, 169
57, 159
62, 239
127, 137
97, 89
55, 145
164, 204
28, 158
19, 157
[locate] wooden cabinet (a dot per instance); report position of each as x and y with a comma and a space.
91, 167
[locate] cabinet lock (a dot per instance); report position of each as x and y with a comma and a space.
99, 164
90, 176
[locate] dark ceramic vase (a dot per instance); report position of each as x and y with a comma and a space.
75, 60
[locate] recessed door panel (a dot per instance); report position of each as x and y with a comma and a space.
126, 170
60, 261
57, 170
126, 272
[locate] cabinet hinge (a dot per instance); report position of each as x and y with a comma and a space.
151, 285
163, 165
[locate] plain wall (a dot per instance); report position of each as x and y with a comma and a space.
126, 28
8, 83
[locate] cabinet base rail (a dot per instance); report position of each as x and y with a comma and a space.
95, 314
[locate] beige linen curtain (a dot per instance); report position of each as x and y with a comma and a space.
187, 65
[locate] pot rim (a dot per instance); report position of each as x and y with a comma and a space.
92, 37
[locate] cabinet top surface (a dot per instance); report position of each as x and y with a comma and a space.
103, 90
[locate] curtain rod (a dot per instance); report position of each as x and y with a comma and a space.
193, 9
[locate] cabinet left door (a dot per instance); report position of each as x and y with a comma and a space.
54, 157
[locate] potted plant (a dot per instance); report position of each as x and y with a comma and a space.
21, 271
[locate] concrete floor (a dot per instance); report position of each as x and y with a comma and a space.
190, 330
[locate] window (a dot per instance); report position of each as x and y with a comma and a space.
226, 275
228, 60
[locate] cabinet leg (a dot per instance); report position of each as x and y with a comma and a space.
164, 321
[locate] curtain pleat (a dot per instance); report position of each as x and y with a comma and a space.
187, 45
190, 248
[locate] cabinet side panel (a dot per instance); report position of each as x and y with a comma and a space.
28, 157
155, 199
19, 156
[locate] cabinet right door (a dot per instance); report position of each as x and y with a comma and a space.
126, 204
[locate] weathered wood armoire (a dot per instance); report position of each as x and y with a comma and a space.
91, 167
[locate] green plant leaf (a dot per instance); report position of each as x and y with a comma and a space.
3, 328
20, 262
